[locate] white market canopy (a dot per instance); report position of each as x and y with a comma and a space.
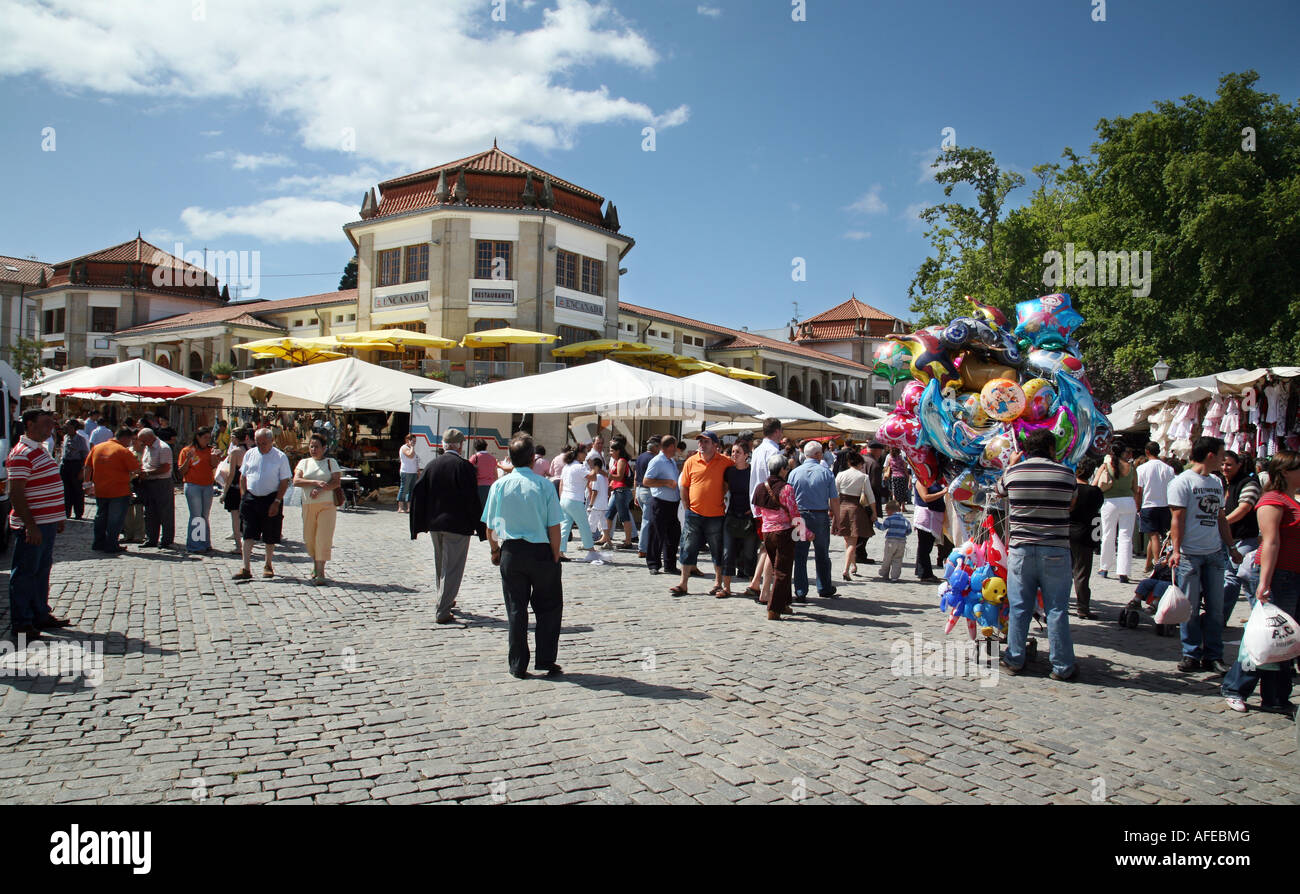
1131, 412
769, 404
134, 373
608, 388
348, 384
237, 393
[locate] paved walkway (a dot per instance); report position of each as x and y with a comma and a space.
214, 690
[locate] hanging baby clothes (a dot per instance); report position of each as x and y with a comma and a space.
1184, 421
1276, 404
1250, 405
1214, 416
1160, 426
1231, 417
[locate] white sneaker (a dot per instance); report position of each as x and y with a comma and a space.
594, 557
1236, 704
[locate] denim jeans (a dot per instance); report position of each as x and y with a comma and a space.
620, 506
1201, 579
198, 497
406, 483
575, 513
643, 497
1030, 569
1274, 686
705, 528
819, 522
1231, 582
29, 579
110, 516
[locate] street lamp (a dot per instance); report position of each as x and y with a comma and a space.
1160, 370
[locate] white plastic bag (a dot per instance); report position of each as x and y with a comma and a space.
1271, 635
222, 475
1174, 607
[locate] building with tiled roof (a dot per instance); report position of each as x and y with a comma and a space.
18, 278
191, 342
485, 242
804, 374
86, 299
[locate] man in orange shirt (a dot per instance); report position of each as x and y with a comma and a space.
703, 486
110, 466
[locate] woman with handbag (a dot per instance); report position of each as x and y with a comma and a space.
857, 506
1115, 479
775, 502
1274, 576
739, 532
320, 480
240, 441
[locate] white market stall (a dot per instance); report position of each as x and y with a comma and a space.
134, 373
611, 390
1253, 411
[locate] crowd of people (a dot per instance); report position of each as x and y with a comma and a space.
760, 506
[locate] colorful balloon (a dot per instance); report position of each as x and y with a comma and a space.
1047, 322
900, 430
911, 396
930, 359
1047, 364
1040, 399
1087, 416
973, 408
1063, 426
942, 430
994, 590
893, 362
976, 373
1003, 399
998, 451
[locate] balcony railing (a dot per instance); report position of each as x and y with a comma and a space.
465, 373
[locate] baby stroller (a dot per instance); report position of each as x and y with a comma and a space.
1146, 597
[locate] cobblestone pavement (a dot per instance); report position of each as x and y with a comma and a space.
219, 691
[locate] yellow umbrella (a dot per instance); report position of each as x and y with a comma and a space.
295, 350
710, 366
506, 336
599, 346
736, 372
403, 338
333, 341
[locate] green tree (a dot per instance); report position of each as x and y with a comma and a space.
970, 253
26, 360
349, 280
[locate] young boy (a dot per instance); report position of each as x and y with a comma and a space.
896, 529
597, 496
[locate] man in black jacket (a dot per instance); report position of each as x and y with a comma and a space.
445, 503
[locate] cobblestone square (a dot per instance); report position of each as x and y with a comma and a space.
212, 690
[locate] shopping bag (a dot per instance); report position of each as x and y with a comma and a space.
1174, 607
1271, 635
222, 475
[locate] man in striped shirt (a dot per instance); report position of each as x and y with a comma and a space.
36, 494
1039, 492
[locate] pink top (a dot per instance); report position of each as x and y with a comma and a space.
780, 519
542, 466
486, 465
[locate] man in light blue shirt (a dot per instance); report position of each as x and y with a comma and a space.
665, 527
523, 518
100, 434
818, 501
92, 420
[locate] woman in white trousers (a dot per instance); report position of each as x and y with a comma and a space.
1118, 512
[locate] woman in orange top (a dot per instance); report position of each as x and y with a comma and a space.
196, 466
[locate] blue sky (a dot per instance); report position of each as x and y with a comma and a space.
221, 123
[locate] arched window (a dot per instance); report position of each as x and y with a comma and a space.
196, 365
815, 396
795, 392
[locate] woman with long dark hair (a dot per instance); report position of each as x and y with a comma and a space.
621, 480
197, 466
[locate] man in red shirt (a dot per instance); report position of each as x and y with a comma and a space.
36, 494
110, 466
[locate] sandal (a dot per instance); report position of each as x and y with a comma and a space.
678, 590
714, 591
723, 594
751, 593
267, 572
242, 575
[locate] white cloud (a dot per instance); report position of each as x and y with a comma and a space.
414, 92
209, 133
331, 186
242, 161
283, 219
711, 11
857, 235
870, 203
924, 158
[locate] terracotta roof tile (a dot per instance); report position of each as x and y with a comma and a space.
23, 271
852, 309
233, 314
735, 338
492, 161
344, 296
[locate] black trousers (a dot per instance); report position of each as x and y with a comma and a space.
924, 543
159, 510
74, 496
665, 537
1081, 564
531, 576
